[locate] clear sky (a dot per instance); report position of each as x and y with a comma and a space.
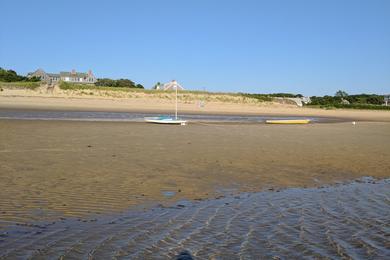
311, 47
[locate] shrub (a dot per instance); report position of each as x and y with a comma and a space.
20, 85
119, 83
12, 76
364, 101
259, 97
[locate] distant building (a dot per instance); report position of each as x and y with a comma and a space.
386, 99
299, 101
158, 86
72, 77
306, 100
344, 101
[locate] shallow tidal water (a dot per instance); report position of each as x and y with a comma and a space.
139, 117
343, 221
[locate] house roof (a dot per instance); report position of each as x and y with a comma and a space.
53, 74
74, 75
38, 72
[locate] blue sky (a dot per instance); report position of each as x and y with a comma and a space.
311, 47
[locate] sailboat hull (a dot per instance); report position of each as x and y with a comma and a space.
288, 121
171, 121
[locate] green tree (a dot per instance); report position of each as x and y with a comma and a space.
9, 75
341, 94
120, 83
125, 83
375, 100
12, 76
106, 82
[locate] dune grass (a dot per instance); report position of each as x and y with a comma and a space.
20, 85
186, 95
74, 86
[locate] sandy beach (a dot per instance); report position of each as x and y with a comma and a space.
73, 168
195, 130
63, 168
83, 176
62, 100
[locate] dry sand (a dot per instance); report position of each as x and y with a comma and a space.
54, 168
140, 102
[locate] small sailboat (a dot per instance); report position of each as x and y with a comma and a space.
288, 121
167, 119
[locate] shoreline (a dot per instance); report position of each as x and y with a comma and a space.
138, 116
152, 105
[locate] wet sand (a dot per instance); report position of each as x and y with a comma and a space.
51, 169
163, 105
339, 222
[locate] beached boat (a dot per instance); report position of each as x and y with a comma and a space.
288, 121
167, 119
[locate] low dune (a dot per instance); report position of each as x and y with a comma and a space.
159, 101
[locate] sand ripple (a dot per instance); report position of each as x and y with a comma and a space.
345, 221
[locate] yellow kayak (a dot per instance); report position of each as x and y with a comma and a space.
288, 121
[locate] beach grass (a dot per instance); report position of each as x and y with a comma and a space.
74, 86
185, 95
20, 85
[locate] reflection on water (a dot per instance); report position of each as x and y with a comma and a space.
344, 221
136, 117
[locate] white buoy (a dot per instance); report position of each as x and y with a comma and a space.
354, 123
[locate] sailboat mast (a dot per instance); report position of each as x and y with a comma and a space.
176, 104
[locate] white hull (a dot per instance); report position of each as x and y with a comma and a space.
171, 121
288, 121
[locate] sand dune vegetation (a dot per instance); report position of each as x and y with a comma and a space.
87, 91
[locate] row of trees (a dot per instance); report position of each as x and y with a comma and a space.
12, 76
268, 97
342, 97
285, 95
120, 83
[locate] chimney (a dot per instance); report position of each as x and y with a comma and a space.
89, 72
73, 71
